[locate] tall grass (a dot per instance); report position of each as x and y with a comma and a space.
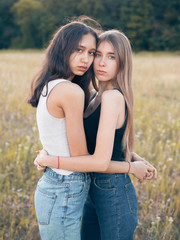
157, 127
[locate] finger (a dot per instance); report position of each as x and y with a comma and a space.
150, 169
155, 173
37, 163
39, 168
149, 176
141, 181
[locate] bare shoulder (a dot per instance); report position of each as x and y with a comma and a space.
113, 98
68, 90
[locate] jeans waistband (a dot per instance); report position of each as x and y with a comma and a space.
108, 175
73, 176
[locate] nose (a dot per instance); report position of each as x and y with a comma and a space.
85, 58
102, 62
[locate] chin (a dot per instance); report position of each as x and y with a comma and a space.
80, 73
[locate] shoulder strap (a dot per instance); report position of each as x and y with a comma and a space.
118, 90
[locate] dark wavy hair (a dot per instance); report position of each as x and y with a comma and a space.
56, 63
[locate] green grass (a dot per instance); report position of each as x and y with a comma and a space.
157, 127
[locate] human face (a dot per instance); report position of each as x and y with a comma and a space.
105, 63
81, 59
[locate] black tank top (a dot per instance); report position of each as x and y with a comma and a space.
91, 127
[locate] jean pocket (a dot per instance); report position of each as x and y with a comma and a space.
104, 184
76, 189
44, 203
131, 197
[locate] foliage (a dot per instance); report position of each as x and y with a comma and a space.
157, 127
8, 27
150, 25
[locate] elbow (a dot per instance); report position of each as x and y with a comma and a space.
102, 164
104, 167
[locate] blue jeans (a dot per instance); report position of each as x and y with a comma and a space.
59, 202
110, 212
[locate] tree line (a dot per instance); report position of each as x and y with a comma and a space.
150, 25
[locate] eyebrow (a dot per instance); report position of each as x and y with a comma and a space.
85, 47
112, 53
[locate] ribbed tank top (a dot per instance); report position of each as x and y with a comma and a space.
52, 131
91, 124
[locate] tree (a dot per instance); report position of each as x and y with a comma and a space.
8, 26
28, 15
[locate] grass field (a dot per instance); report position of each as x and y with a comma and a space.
157, 127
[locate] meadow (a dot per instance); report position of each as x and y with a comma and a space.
156, 79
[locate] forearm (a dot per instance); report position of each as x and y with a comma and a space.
92, 163
86, 163
118, 167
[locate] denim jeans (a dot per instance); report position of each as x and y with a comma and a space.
59, 201
110, 212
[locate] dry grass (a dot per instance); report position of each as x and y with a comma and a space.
157, 125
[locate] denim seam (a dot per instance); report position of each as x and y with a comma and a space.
56, 183
117, 212
103, 189
65, 205
53, 197
128, 198
50, 195
75, 195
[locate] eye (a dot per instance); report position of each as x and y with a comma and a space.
111, 57
97, 54
92, 53
79, 50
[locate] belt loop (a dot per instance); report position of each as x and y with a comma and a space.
61, 178
125, 176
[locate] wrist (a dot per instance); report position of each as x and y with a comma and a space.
129, 167
45, 161
58, 162
132, 170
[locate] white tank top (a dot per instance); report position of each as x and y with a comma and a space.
52, 131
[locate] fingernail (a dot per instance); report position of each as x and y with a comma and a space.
37, 152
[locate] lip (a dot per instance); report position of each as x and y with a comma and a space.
101, 72
82, 68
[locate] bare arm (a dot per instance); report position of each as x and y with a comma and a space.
73, 106
100, 160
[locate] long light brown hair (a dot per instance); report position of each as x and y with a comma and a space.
123, 53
